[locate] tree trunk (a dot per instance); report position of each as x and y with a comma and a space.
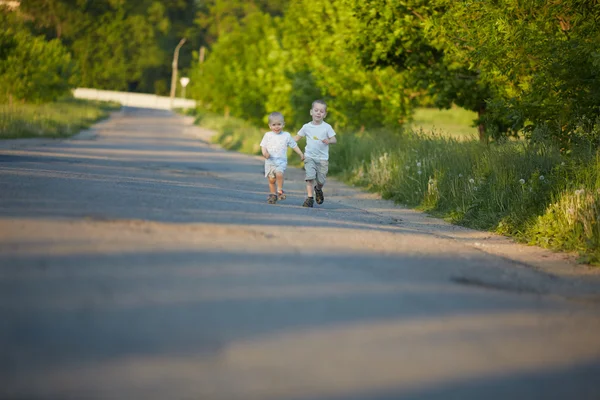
174, 71
481, 127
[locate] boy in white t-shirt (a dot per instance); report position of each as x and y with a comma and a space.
319, 135
274, 146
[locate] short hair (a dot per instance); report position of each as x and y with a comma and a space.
276, 115
319, 102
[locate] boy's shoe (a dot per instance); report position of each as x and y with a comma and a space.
319, 195
281, 195
309, 202
272, 199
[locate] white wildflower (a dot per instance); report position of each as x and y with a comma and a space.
475, 188
419, 164
460, 175
419, 172
562, 163
579, 192
542, 177
471, 180
522, 181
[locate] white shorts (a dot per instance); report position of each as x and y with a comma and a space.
274, 165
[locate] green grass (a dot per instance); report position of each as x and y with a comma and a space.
530, 192
51, 120
455, 122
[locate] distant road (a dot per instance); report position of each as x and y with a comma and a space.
145, 263
128, 99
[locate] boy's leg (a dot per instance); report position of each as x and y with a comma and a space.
280, 193
311, 175
319, 196
270, 174
309, 188
310, 167
309, 201
272, 181
322, 169
272, 197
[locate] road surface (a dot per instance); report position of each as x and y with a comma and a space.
142, 262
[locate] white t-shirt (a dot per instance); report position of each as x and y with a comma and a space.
277, 143
314, 134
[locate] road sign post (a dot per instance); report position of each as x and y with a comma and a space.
184, 82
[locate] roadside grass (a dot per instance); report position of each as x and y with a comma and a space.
528, 191
232, 133
455, 122
58, 119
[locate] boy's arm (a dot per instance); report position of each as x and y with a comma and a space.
330, 140
330, 137
299, 135
263, 146
265, 152
299, 152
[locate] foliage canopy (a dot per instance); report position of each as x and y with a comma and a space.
521, 65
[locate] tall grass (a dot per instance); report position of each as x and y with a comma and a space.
529, 191
52, 120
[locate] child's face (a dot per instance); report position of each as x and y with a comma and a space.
276, 125
318, 112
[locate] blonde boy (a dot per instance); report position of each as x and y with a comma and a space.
319, 135
274, 146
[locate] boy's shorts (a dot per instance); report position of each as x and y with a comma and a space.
316, 169
274, 165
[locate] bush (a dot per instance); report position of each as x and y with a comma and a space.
31, 68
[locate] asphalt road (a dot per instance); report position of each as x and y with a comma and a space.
141, 262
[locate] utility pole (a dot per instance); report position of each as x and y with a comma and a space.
174, 73
201, 54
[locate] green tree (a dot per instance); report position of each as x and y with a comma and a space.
31, 68
542, 58
396, 34
316, 37
218, 17
244, 71
119, 44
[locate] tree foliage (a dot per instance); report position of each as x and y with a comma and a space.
396, 34
245, 69
31, 68
521, 64
118, 44
316, 37
286, 63
518, 63
541, 57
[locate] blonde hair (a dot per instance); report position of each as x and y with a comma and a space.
276, 115
319, 102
